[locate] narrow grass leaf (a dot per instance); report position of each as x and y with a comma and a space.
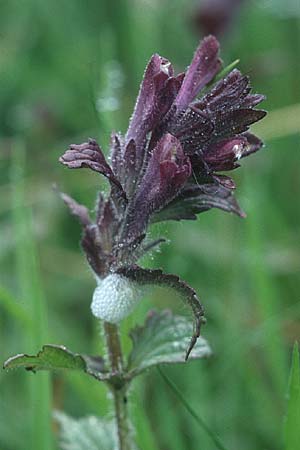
192, 412
10, 304
292, 424
29, 278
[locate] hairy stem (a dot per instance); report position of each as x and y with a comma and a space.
118, 386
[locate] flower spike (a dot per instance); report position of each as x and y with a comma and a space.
169, 165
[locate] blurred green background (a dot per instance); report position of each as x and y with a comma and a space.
70, 70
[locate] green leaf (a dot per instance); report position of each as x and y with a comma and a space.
163, 340
222, 74
292, 424
57, 357
226, 71
89, 433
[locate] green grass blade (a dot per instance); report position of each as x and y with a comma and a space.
10, 304
292, 424
226, 70
264, 286
192, 412
29, 278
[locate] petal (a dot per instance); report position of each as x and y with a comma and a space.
89, 155
202, 70
148, 106
167, 171
253, 144
223, 154
80, 211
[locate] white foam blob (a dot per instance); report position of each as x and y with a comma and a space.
114, 298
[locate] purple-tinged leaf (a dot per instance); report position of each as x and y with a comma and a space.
116, 150
230, 123
95, 237
225, 181
124, 160
202, 70
195, 199
89, 155
80, 211
108, 223
192, 128
158, 278
227, 93
150, 245
252, 100
99, 207
92, 245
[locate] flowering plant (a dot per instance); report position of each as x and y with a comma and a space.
166, 167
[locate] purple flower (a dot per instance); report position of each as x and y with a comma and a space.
167, 165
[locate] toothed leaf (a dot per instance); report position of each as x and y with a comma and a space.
57, 357
163, 339
196, 199
86, 433
188, 294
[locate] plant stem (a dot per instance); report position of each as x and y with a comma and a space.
118, 386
